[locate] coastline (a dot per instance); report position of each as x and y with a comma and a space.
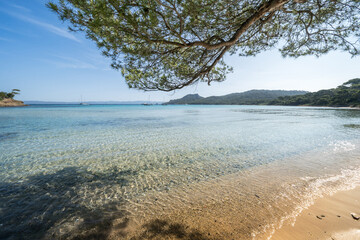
238, 206
176, 187
328, 218
8, 102
267, 105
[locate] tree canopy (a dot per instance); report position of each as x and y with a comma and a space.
11, 94
345, 95
169, 44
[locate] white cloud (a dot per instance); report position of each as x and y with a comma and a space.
49, 27
20, 7
67, 62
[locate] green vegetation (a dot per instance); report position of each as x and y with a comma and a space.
188, 99
252, 97
11, 94
345, 95
169, 44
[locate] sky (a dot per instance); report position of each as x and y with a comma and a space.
39, 56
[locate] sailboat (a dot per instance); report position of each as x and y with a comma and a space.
148, 103
83, 103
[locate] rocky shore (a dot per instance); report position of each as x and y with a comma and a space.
8, 102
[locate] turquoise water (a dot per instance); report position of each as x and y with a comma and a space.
84, 165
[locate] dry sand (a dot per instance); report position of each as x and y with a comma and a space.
329, 218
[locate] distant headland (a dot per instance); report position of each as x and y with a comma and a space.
7, 99
8, 102
345, 95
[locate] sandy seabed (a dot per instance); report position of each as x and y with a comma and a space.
330, 218
262, 204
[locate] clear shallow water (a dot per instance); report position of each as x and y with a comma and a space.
70, 170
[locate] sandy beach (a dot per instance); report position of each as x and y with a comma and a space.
219, 210
329, 218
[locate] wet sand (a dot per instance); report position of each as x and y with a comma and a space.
242, 206
329, 218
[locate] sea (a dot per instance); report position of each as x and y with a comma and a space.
169, 171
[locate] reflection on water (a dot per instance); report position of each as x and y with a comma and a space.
92, 171
120, 121
352, 126
348, 113
7, 135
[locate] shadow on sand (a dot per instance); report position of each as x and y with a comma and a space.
162, 229
63, 205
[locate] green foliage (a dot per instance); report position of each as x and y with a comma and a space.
188, 99
252, 97
353, 83
3, 95
11, 94
346, 95
170, 44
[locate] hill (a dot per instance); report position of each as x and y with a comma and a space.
251, 97
345, 95
188, 99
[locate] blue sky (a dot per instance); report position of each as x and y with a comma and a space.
47, 62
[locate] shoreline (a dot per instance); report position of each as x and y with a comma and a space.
235, 207
328, 218
244, 178
8, 102
264, 105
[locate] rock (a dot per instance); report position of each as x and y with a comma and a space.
8, 102
257, 196
355, 216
